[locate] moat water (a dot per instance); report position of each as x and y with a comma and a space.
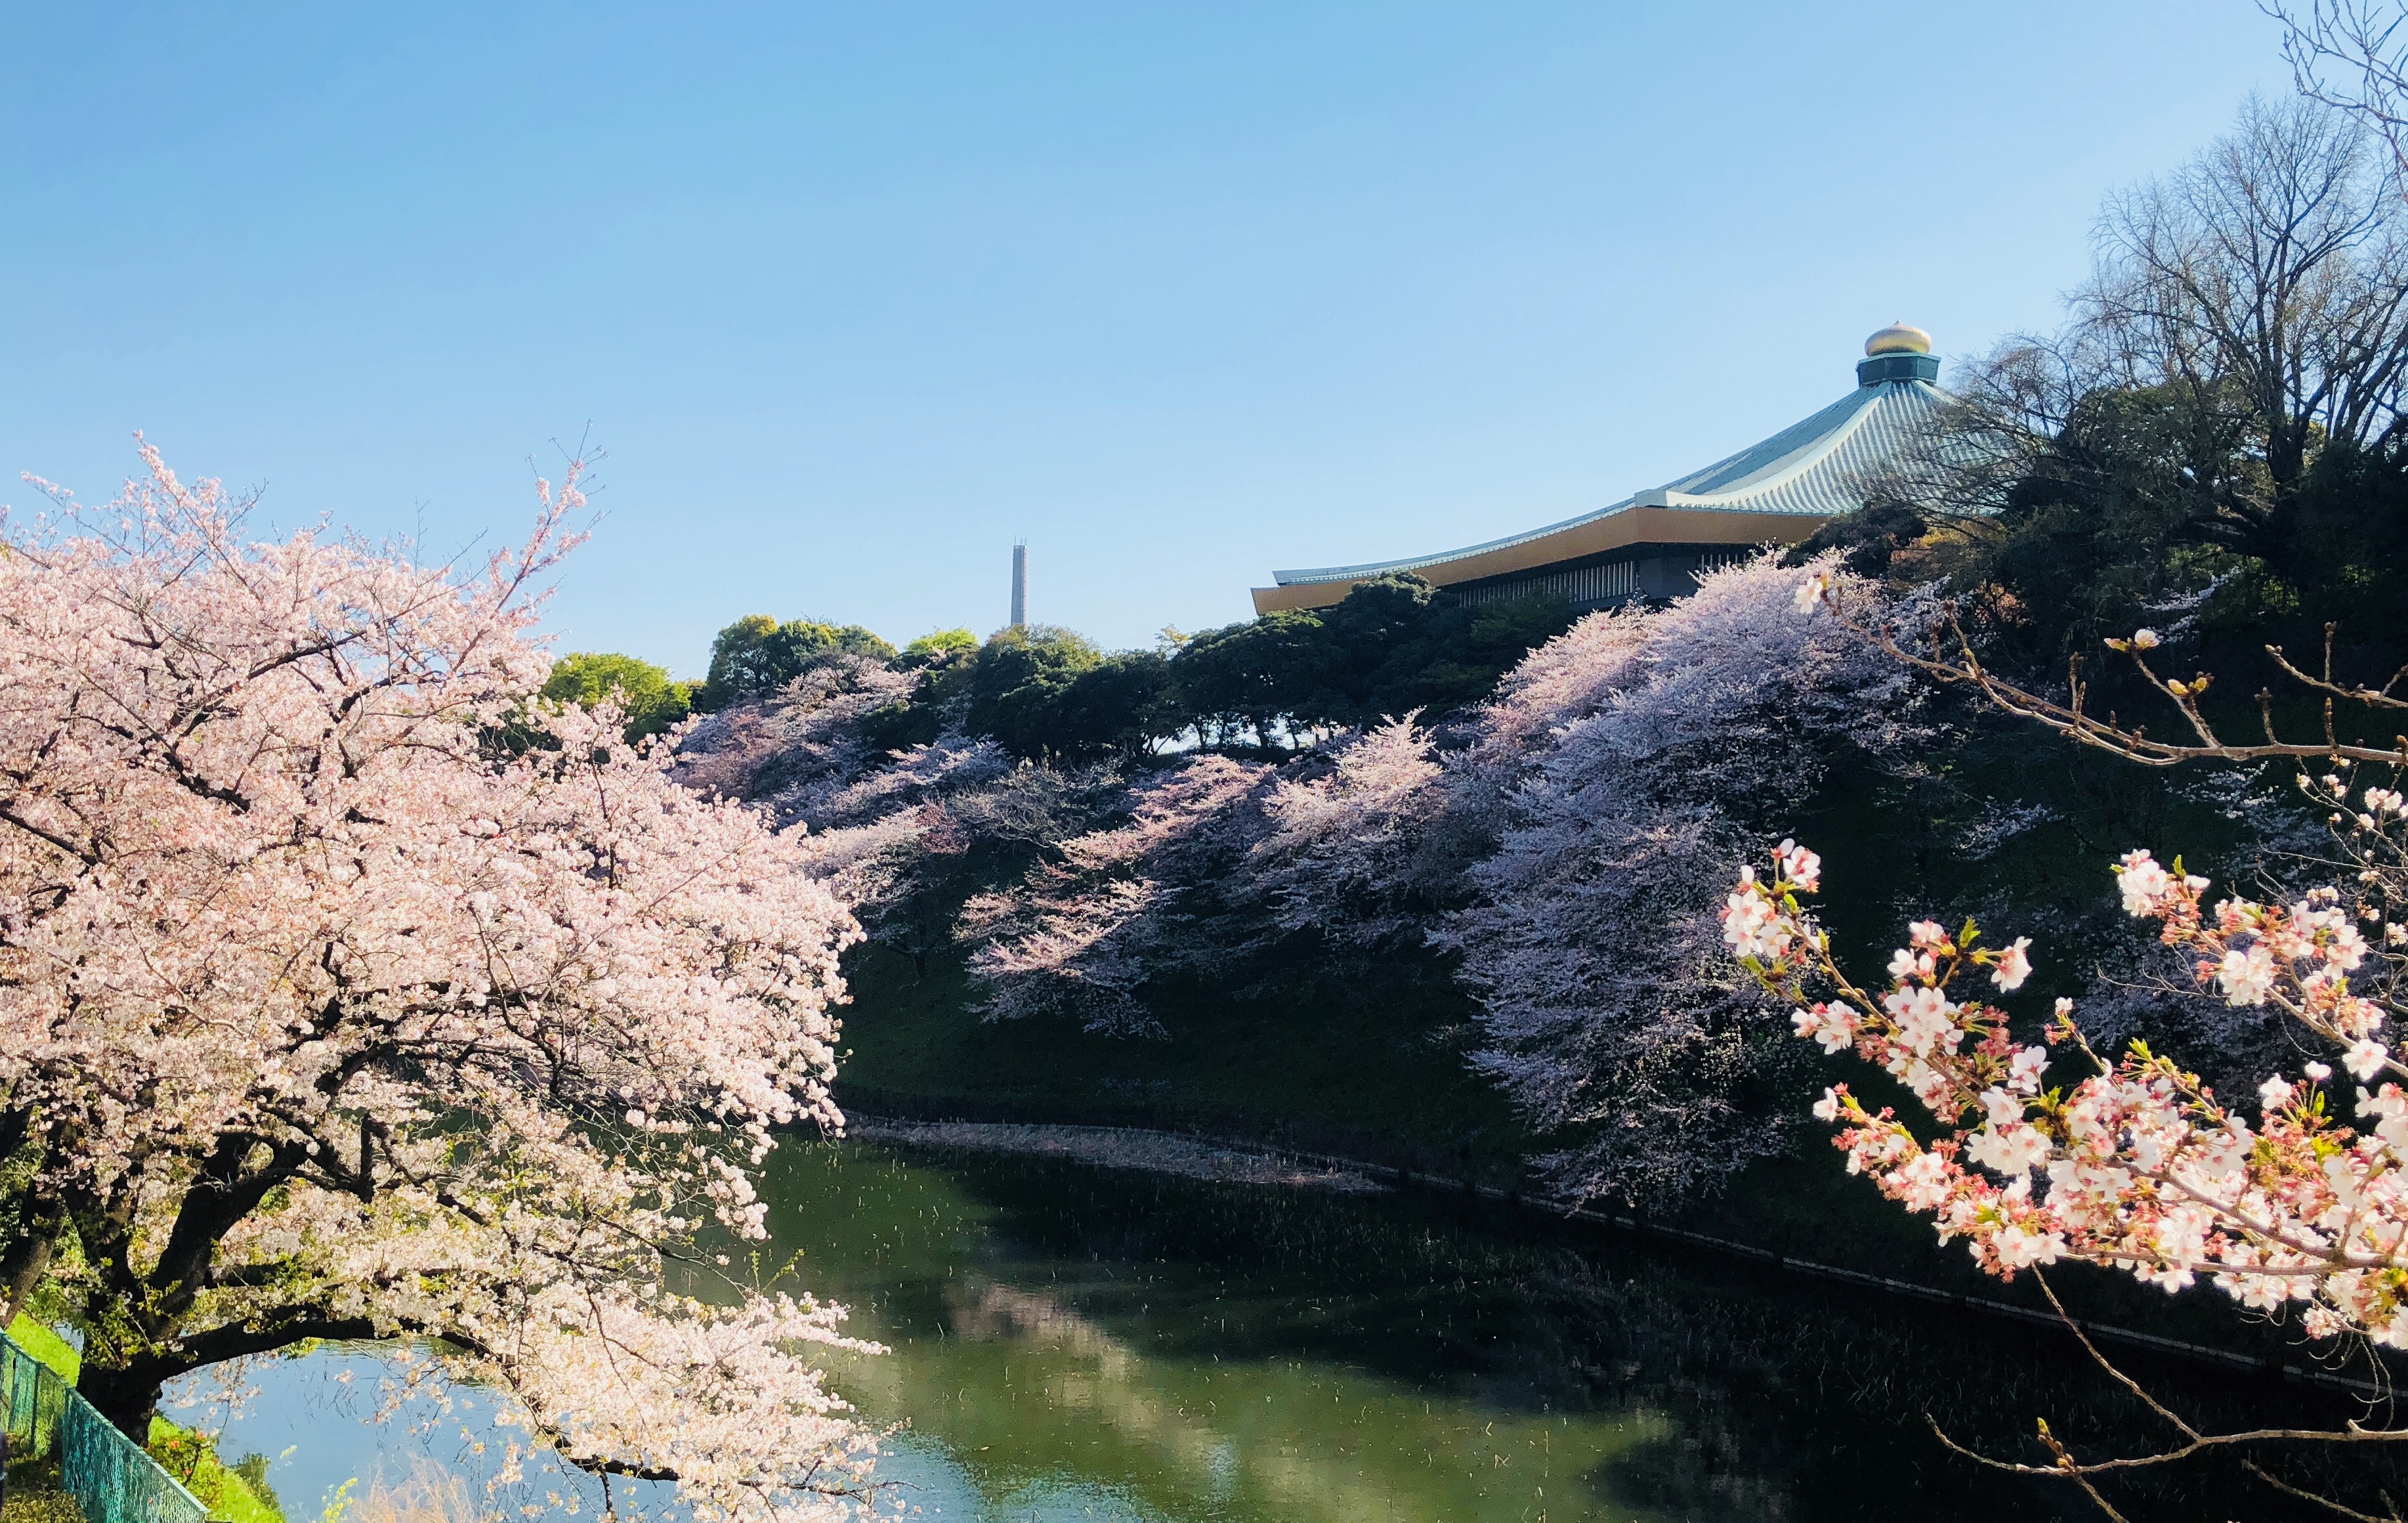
1070, 1343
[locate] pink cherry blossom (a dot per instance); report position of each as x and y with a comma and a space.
2247, 976
2138, 1165
1799, 865
2012, 966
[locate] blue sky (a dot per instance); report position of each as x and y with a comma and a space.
855, 295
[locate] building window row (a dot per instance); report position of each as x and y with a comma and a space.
1605, 584
1615, 582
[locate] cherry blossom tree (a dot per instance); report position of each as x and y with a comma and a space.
1568, 841
1351, 849
901, 835
1627, 763
324, 1013
1115, 907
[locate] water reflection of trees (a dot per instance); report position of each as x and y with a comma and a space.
1780, 1403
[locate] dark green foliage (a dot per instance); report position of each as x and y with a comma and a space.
1245, 678
1042, 693
2124, 510
1115, 708
2345, 556
1357, 1056
945, 666
2150, 503
1392, 646
1019, 683
756, 656
653, 700
1870, 538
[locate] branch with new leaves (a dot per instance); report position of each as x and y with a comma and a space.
2137, 1164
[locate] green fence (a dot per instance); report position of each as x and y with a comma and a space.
111, 1475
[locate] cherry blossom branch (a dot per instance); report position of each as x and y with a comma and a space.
2138, 1166
2144, 1169
2196, 1442
1963, 664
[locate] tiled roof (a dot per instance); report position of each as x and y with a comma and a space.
1819, 468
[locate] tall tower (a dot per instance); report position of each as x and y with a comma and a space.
1019, 583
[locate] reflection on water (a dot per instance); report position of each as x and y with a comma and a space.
339, 1417
1070, 1344
1075, 1343
1045, 1403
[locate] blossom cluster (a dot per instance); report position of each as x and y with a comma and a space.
1082, 933
2136, 1164
1625, 765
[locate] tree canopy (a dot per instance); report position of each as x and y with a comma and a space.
2218, 428
757, 655
938, 645
325, 1017
651, 699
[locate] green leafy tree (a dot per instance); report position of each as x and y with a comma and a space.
938, 647
1402, 646
1020, 678
1116, 708
1240, 681
756, 656
1393, 645
653, 698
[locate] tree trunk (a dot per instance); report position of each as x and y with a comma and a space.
129, 1398
20, 1271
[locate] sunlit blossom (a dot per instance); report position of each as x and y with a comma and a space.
445, 1020
2014, 966
2136, 1165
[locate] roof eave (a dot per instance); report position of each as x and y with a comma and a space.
1632, 524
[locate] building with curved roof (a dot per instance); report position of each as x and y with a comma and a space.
1651, 544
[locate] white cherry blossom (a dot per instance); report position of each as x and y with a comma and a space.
347, 994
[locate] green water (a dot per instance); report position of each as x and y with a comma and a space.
1070, 1343
1076, 1343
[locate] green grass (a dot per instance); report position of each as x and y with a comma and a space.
231, 1494
47, 1347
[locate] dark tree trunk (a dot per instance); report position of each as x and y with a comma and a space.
21, 1268
128, 1397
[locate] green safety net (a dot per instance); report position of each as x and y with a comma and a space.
112, 1478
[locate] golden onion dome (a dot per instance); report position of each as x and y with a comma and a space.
1899, 339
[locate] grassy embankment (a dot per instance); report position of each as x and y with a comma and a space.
235, 1493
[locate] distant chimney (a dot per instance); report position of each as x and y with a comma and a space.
1019, 583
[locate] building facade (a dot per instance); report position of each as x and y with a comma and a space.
1651, 544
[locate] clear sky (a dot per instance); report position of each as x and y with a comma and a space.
854, 296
